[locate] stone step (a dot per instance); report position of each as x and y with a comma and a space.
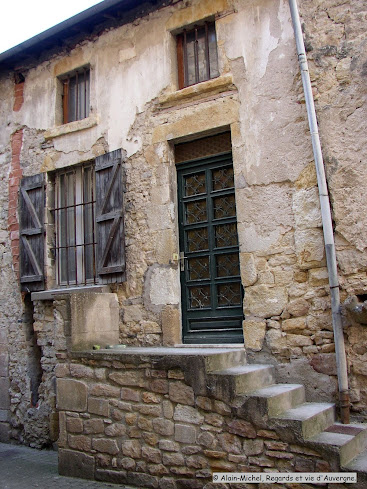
234, 381
305, 421
358, 464
348, 440
225, 359
275, 399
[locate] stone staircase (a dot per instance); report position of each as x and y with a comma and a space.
282, 407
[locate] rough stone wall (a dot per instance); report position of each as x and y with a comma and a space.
336, 43
135, 105
146, 426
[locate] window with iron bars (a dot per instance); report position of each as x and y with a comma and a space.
75, 236
197, 56
75, 96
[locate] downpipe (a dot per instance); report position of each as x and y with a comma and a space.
341, 361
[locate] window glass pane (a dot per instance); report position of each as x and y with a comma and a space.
88, 217
201, 54
72, 100
213, 56
190, 77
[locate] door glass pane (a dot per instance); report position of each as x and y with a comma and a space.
226, 235
199, 297
198, 268
224, 207
195, 211
195, 184
227, 265
197, 239
222, 178
229, 294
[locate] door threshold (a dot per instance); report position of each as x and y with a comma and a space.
209, 345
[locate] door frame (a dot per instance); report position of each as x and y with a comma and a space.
230, 329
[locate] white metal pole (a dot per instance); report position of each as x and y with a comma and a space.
326, 218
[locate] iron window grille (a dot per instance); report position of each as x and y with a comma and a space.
197, 56
76, 95
75, 236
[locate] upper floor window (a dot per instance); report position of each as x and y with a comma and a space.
197, 56
75, 95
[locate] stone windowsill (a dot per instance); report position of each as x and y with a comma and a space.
71, 127
46, 295
200, 90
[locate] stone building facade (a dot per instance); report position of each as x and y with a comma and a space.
230, 149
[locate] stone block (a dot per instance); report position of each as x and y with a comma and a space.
187, 414
130, 394
80, 442
294, 325
74, 425
173, 458
4, 414
248, 269
114, 476
4, 393
139, 479
129, 378
310, 249
163, 286
115, 429
264, 302
163, 427
181, 393
105, 390
93, 426
185, 433
131, 448
105, 445
4, 363
254, 334
242, 428
4, 432
171, 326
98, 406
71, 395
298, 340
152, 455
298, 307
94, 319
306, 208
253, 447
169, 445
76, 464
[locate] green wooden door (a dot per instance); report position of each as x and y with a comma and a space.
210, 271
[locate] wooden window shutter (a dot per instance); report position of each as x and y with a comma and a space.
109, 218
32, 232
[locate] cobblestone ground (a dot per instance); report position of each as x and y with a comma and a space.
27, 468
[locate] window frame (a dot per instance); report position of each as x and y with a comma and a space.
81, 76
183, 69
78, 222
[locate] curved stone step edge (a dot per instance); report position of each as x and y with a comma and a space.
278, 398
348, 446
225, 360
242, 378
307, 420
358, 463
